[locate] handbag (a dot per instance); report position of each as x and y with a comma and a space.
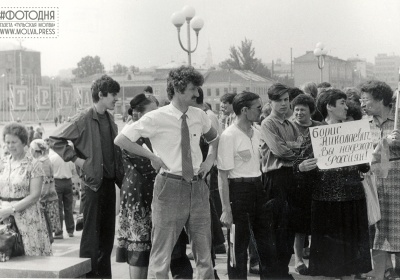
11, 244
371, 195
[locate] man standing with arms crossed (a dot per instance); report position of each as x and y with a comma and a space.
242, 193
92, 132
180, 194
281, 141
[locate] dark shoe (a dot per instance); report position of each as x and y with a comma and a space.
390, 274
79, 223
58, 236
70, 234
255, 269
190, 256
301, 269
220, 249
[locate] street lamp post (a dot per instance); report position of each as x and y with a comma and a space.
320, 52
178, 19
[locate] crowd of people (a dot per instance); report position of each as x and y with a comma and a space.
184, 173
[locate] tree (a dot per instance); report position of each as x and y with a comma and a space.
133, 68
243, 58
88, 66
120, 69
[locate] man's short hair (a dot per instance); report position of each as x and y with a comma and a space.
243, 99
311, 89
329, 96
353, 94
275, 91
105, 84
378, 90
305, 100
324, 85
354, 110
227, 98
179, 78
294, 92
200, 98
148, 89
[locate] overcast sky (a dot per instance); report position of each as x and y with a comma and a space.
140, 32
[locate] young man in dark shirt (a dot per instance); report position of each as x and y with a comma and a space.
99, 163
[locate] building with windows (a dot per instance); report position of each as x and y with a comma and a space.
21, 66
18, 67
387, 69
336, 71
219, 82
216, 84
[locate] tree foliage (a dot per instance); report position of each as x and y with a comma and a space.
134, 69
243, 58
120, 69
88, 66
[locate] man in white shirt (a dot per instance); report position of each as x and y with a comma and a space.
63, 172
239, 179
178, 201
228, 116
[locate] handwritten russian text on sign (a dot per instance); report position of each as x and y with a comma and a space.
342, 144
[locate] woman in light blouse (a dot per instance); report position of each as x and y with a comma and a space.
21, 180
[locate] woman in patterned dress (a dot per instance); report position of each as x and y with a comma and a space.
21, 180
134, 231
49, 197
376, 101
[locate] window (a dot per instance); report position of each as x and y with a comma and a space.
217, 107
225, 90
247, 89
217, 91
208, 92
234, 90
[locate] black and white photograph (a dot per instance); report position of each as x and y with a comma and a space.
200, 139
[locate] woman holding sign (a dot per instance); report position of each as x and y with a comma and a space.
376, 101
339, 222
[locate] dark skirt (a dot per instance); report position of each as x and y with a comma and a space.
300, 198
339, 238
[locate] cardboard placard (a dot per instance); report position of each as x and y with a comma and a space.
342, 144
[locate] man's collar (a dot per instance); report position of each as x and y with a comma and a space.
278, 118
177, 113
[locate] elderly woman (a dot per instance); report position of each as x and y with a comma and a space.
49, 198
376, 101
21, 179
339, 222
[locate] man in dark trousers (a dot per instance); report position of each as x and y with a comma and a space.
99, 163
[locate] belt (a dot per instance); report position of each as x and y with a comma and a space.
177, 177
246, 179
9, 199
62, 178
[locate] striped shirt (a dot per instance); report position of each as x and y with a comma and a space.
279, 140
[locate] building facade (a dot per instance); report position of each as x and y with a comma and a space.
338, 72
387, 69
216, 84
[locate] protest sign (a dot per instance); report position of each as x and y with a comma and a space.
342, 144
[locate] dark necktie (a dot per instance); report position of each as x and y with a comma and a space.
187, 166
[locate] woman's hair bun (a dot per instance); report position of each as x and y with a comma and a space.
137, 100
